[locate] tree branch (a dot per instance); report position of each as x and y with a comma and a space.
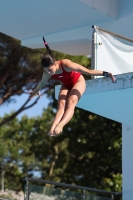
54, 161
8, 119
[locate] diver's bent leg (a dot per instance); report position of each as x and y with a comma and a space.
73, 98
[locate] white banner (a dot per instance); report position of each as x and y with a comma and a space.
112, 54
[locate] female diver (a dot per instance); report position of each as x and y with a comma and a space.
72, 88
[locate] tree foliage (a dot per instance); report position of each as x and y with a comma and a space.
88, 153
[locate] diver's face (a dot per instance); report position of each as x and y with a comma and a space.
50, 70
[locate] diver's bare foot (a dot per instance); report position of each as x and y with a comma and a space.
58, 129
51, 133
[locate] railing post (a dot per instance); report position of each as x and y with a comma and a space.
27, 190
84, 195
112, 196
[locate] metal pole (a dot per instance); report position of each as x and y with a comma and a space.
93, 50
84, 195
2, 178
93, 57
112, 196
27, 190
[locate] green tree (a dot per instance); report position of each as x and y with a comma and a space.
88, 152
19, 142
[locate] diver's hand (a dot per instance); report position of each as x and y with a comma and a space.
112, 77
33, 94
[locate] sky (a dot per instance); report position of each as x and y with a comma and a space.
34, 111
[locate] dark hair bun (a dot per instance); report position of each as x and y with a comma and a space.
47, 61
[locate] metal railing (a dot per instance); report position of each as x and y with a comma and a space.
84, 189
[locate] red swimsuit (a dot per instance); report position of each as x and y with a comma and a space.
67, 78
